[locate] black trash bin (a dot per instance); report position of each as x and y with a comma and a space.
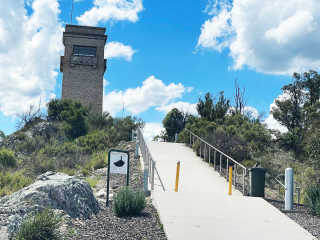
257, 181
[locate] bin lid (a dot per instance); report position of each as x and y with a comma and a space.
258, 169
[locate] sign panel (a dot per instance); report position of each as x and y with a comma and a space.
118, 162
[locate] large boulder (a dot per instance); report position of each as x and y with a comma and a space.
51, 190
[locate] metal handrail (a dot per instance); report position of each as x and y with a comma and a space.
149, 163
228, 159
298, 188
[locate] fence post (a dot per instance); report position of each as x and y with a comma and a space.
209, 154
288, 189
214, 159
152, 178
227, 170
136, 153
243, 181
235, 175
220, 162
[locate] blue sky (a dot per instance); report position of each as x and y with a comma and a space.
161, 54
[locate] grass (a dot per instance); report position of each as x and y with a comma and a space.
42, 226
13, 181
93, 181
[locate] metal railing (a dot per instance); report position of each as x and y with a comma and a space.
149, 164
221, 162
297, 192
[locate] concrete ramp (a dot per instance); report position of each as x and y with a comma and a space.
202, 210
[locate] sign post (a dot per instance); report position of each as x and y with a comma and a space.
118, 163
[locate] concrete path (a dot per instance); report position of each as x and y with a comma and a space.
202, 210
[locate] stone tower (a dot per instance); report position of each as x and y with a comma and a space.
83, 65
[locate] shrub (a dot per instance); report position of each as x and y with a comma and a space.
42, 226
313, 198
94, 141
128, 202
7, 158
12, 182
99, 160
98, 121
72, 113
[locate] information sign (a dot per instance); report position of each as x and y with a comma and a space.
118, 163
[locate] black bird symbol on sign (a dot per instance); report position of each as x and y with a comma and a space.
119, 163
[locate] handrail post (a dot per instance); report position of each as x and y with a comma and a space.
243, 180
152, 178
209, 154
227, 170
214, 159
235, 175
220, 162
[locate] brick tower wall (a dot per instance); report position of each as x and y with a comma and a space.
83, 75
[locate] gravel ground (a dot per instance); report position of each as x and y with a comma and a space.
105, 225
302, 216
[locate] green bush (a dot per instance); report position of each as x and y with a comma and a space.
73, 115
128, 203
94, 141
99, 160
42, 226
313, 198
12, 182
7, 158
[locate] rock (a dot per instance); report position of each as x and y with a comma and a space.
101, 194
51, 190
4, 233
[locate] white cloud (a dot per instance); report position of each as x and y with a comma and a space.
152, 93
118, 50
104, 10
272, 123
152, 129
182, 106
214, 30
28, 75
276, 36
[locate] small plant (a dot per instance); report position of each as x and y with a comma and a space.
7, 158
313, 198
92, 181
128, 202
42, 226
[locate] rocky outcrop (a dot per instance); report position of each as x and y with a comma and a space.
51, 190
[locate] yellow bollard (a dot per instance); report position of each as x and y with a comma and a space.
177, 177
230, 181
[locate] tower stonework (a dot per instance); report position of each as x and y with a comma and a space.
83, 65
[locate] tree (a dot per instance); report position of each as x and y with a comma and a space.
174, 122
212, 111
206, 108
29, 117
311, 82
297, 110
239, 99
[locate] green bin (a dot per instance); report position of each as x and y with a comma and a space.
257, 181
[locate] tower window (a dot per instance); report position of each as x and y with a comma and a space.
84, 51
